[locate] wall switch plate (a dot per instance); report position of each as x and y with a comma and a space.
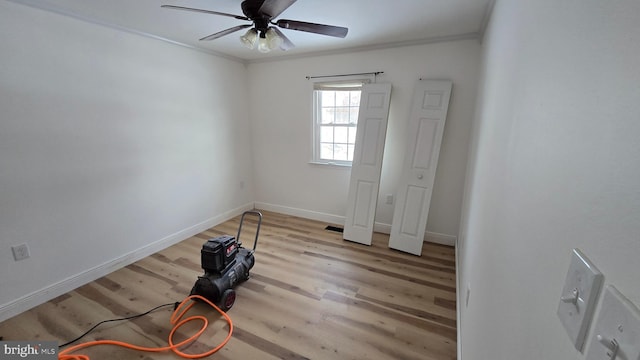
616, 334
578, 298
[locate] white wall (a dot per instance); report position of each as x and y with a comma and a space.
281, 119
110, 144
555, 165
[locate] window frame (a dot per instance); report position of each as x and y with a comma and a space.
342, 82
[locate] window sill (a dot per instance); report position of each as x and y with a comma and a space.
331, 163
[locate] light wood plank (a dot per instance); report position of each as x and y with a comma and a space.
312, 295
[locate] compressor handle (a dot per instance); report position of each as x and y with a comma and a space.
250, 212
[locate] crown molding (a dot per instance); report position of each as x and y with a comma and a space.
390, 45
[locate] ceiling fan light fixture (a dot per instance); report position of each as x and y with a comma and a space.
273, 39
269, 40
263, 45
249, 38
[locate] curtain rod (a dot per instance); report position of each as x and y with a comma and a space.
376, 73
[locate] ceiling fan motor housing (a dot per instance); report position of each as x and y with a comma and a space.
251, 9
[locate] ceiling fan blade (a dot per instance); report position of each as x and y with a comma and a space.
225, 32
239, 17
273, 8
329, 30
286, 43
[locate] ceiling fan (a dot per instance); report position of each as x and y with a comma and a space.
262, 14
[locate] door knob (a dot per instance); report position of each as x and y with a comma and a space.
420, 176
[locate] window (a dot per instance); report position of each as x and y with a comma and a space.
335, 119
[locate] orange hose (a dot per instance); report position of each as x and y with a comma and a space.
176, 321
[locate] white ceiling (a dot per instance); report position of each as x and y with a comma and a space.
371, 23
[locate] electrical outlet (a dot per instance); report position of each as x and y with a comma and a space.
389, 199
20, 252
617, 329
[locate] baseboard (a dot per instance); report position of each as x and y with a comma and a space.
458, 305
307, 214
429, 236
383, 228
36, 298
438, 238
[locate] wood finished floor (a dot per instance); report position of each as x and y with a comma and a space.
311, 295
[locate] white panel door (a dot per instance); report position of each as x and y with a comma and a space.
426, 126
367, 163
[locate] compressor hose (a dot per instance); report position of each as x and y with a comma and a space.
177, 321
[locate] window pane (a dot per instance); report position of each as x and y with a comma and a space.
328, 98
341, 133
336, 115
340, 152
326, 134
342, 98
355, 98
353, 115
326, 151
352, 135
342, 115
328, 115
